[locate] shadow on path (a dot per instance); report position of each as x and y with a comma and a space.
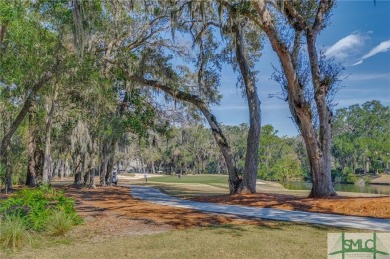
157, 197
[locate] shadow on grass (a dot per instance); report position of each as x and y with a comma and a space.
233, 230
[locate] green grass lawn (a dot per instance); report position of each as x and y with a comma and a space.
201, 179
208, 184
191, 185
281, 240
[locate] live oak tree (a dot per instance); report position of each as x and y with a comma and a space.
292, 28
36, 63
136, 44
102, 65
128, 42
241, 44
246, 41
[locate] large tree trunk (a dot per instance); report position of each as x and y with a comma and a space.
253, 140
319, 159
318, 148
321, 166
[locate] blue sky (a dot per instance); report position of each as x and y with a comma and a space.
358, 36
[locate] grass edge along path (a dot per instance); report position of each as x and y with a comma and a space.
155, 196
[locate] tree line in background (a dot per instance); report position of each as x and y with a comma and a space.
191, 149
81, 82
361, 140
361, 136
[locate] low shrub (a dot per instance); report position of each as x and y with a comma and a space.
59, 223
13, 233
34, 206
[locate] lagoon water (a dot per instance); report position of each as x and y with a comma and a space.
378, 189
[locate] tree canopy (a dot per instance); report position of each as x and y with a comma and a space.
86, 86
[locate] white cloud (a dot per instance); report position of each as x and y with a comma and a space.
384, 46
346, 46
358, 63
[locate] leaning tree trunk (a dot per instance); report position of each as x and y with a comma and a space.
234, 179
253, 140
5, 141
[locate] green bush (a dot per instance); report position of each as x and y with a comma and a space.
59, 223
34, 206
345, 175
349, 175
13, 233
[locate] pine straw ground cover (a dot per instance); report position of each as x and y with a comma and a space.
377, 207
94, 203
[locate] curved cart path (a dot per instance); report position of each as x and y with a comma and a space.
155, 196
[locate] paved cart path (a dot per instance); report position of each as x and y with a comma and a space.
155, 196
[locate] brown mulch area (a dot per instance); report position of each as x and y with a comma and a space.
113, 211
377, 207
